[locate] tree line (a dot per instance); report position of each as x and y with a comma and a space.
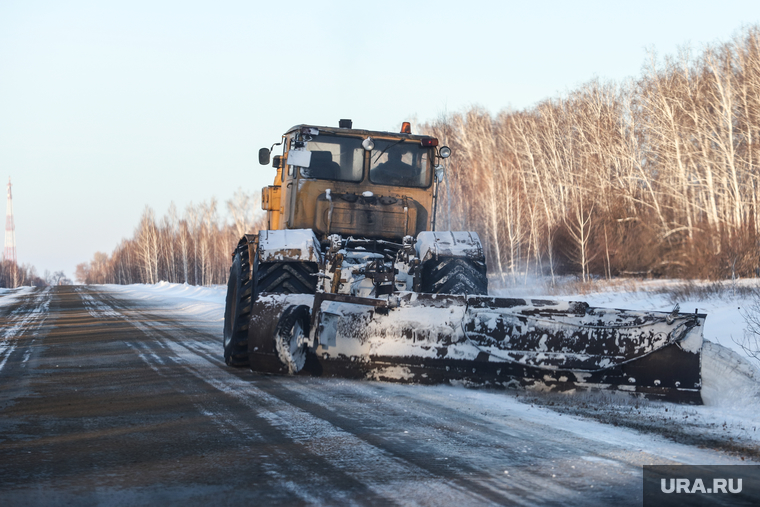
655, 176
193, 247
14, 275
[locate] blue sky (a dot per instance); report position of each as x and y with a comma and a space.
106, 107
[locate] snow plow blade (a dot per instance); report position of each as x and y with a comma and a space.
426, 338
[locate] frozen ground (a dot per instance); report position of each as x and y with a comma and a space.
728, 421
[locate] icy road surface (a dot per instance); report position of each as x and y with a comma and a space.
119, 396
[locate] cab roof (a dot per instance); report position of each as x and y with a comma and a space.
357, 132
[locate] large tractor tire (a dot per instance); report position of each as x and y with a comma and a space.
454, 275
286, 277
237, 312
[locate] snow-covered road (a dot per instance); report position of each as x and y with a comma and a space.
114, 395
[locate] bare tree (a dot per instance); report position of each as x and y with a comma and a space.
147, 239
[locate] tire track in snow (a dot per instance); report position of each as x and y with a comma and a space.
486, 488
533, 489
26, 319
253, 430
467, 485
95, 308
101, 310
339, 447
468, 453
323, 441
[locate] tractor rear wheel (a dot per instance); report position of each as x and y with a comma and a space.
454, 275
286, 277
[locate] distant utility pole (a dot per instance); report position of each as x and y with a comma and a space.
10, 231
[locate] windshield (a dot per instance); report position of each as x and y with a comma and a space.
400, 163
335, 158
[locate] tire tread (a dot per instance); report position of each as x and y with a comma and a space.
454, 275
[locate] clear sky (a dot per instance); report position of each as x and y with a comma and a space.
106, 107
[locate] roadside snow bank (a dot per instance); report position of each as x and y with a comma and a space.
9, 296
204, 305
172, 292
728, 380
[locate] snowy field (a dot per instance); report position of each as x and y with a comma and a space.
730, 376
729, 420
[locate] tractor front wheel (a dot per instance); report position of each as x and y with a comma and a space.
237, 312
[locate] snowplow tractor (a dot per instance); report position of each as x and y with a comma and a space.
351, 279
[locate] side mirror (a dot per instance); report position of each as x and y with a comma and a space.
439, 172
444, 152
264, 156
277, 161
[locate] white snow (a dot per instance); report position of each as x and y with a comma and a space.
293, 244
9, 296
204, 305
448, 244
21, 319
501, 407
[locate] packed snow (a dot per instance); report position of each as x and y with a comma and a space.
294, 244
731, 379
455, 244
19, 319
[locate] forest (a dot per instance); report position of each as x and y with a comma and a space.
653, 177
14, 275
656, 176
192, 247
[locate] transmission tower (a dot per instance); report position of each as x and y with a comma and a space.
9, 254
